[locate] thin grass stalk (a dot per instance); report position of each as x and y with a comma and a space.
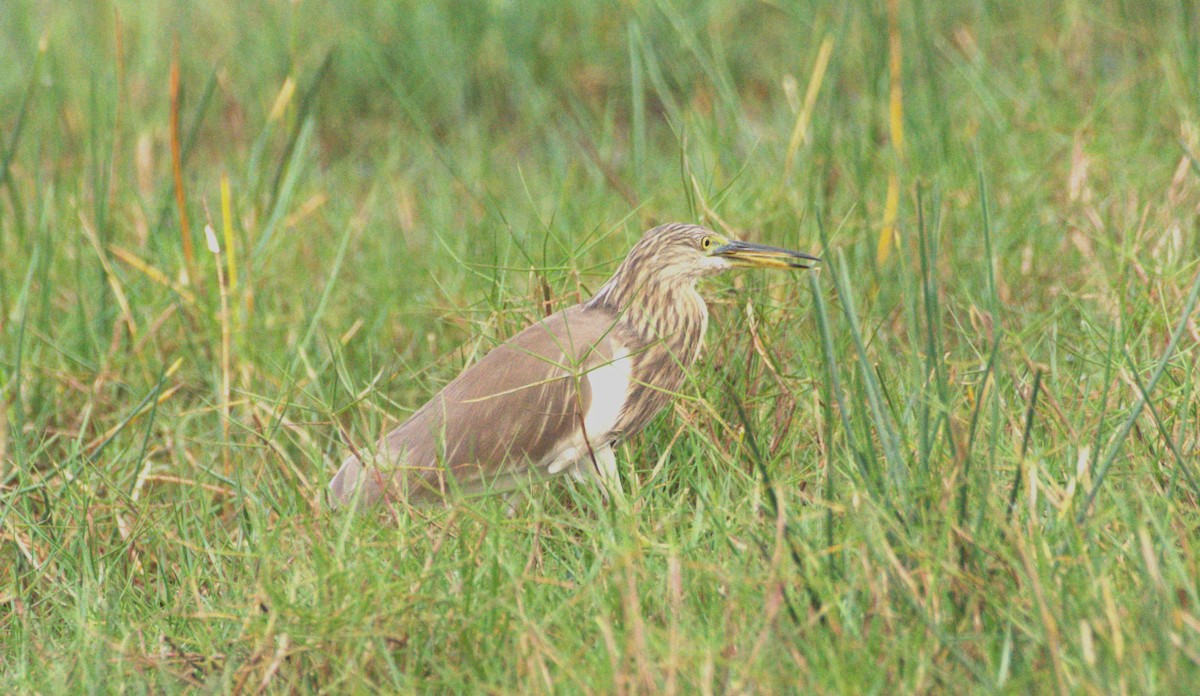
18, 410
1025, 437
189, 253
283, 197
889, 234
119, 50
307, 101
935, 331
637, 101
985, 212
313, 321
972, 430
214, 246
800, 129
186, 146
662, 89
928, 301
227, 230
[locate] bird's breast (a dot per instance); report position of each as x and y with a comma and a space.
609, 384
663, 332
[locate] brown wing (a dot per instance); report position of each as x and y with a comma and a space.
511, 409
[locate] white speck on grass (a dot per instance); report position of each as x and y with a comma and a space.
211, 237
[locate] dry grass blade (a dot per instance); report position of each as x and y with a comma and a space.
131, 259
185, 232
113, 281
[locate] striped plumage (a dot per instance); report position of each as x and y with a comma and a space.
559, 395
653, 297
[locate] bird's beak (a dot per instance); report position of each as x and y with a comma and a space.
762, 256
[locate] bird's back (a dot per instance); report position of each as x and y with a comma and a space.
498, 420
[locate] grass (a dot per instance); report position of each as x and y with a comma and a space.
961, 456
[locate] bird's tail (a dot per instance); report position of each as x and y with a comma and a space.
354, 483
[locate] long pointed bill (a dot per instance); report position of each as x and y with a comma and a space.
763, 256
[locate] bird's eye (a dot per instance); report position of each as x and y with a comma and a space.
706, 243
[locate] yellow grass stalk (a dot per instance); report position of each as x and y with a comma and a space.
227, 225
282, 99
131, 259
895, 64
889, 235
310, 206
800, 130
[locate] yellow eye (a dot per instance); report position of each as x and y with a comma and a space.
706, 243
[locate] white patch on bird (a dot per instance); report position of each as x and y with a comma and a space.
610, 391
560, 460
603, 469
715, 264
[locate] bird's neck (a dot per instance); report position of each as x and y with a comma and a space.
670, 312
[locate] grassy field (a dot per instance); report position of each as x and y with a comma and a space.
961, 456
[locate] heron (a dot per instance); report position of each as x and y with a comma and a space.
560, 395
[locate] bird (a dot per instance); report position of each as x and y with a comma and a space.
561, 394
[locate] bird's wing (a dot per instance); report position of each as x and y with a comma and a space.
519, 407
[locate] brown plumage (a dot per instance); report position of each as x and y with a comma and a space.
556, 397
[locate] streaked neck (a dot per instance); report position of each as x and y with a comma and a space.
671, 311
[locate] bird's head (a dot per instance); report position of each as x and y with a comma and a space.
655, 287
685, 253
